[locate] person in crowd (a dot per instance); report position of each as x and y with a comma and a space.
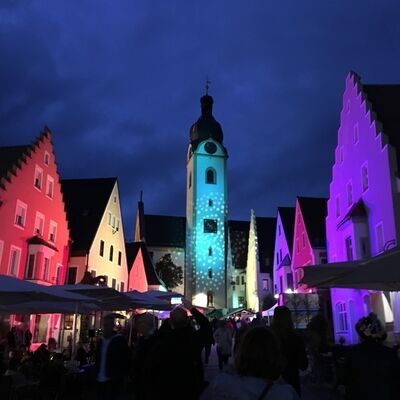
51, 375
52, 345
81, 354
257, 321
292, 346
240, 332
145, 326
223, 341
17, 378
11, 338
177, 355
257, 368
112, 361
371, 370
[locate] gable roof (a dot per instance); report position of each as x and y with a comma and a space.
132, 250
385, 102
314, 211
85, 201
266, 229
239, 237
287, 215
12, 157
165, 230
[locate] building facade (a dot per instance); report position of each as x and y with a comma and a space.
206, 212
363, 207
34, 235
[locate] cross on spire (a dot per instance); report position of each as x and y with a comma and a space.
207, 84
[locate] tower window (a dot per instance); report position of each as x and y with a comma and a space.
210, 299
211, 176
190, 180
210, 251
210, 203
210, 273
111, 253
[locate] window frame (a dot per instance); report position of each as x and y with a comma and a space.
50, 184
364, 167
214, 175
38, 173
20, 205
53, 228
18, 251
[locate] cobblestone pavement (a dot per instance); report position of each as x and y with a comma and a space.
310, 391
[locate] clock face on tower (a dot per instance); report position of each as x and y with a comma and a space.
210, 147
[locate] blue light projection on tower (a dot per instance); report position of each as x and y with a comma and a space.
206, 212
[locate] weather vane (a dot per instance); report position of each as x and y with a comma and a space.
207, 84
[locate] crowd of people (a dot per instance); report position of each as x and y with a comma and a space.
255, 361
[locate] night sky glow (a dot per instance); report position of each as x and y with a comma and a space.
119, 83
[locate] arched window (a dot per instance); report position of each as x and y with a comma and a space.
210, 299
341, 317
211, 176
111, 252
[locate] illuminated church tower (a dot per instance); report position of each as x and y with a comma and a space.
206, 211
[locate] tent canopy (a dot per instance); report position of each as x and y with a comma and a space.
376, 273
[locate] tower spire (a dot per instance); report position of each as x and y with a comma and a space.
208, 82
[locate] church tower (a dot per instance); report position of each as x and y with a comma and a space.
206, 212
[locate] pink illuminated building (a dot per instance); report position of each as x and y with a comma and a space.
309, 241
363, 208
34, 235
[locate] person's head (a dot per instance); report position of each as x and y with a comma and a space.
108, 325
144, 324
259, 354
282, 323
179, 318
370, 329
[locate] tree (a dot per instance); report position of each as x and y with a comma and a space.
170, 273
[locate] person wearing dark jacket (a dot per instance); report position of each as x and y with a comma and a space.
371, 370
292, 345
111, 361
175, 363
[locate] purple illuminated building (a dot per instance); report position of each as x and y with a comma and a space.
363, 207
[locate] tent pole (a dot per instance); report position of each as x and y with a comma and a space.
74, 332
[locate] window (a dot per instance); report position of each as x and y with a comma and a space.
379, 238
30, 268
113, 283
297, 246
337, 207
115, 199
20, 213
46, 269
210, 226
289, 280
39, 224
349, 194
15, 255
303, 239
277, 258
109, 218
46, 158
210, 203
241, 301
356, 132
211, 176
117, 226
364, 244
210, 251
59, 277
71, 275
101, 252
119, 258
111, 253
265, 284
341, 317
238, 280
53, 231
190, 180
210, 299
364, 178
122, 287
280, 254
281, 284
38, 178
243, 282
68, 321
349, 248
279, 230
49, 186
210, 273
113, 221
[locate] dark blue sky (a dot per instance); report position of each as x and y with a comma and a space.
119, 82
